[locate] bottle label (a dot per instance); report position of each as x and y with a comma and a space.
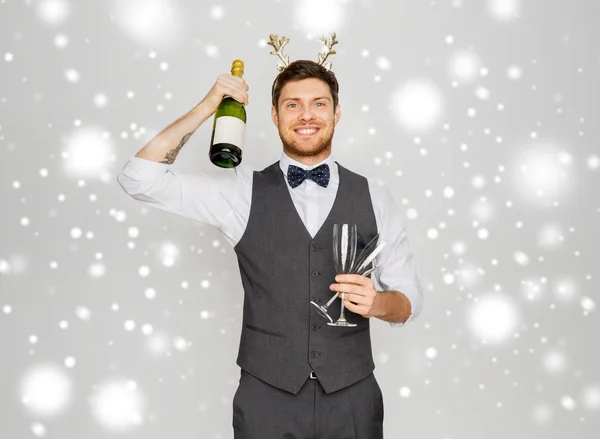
229, 129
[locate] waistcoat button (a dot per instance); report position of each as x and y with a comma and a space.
316, 327
314, 354
315, 273
314, 247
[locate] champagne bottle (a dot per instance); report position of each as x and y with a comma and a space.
229, 128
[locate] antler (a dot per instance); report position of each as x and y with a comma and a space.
328, 43
278, 44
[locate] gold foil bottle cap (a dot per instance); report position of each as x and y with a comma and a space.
237, 68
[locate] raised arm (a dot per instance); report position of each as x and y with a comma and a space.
207, 198
165, 146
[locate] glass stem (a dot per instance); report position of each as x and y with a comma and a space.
342, 310
332, 299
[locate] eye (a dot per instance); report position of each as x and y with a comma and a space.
290, 105
320, 104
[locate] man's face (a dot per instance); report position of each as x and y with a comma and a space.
306, 118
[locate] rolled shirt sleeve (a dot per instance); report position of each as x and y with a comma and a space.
397, 270
210, 198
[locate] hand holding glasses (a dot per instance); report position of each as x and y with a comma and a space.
345, 262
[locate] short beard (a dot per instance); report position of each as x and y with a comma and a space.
292, 145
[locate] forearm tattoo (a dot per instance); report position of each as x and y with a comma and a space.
170, 157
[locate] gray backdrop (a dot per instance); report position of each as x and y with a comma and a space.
480, 116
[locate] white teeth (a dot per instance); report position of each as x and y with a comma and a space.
309, 131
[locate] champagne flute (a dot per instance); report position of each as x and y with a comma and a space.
364, 254
344, 252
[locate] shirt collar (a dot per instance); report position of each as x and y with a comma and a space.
285, 161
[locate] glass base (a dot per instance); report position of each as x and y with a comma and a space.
322, 310
344, 323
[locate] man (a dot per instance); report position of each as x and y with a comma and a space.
300, 378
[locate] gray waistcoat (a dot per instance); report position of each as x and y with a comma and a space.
282, 269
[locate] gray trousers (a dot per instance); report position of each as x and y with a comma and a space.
261, 411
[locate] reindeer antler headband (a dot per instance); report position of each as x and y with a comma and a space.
279, 43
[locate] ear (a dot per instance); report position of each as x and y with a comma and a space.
337, 113
274, 116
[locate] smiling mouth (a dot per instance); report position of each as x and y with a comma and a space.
306, 132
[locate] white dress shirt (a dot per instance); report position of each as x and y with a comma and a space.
222, 199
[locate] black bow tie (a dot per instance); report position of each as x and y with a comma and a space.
320, 175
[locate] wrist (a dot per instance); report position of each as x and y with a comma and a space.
379, 310
202, 112
392, 306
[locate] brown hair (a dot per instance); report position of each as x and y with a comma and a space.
303, 69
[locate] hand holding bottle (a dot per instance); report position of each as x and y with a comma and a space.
229, 93
229, 90
226, 85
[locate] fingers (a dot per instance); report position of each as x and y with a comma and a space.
351, 292
235, 79
234, 86
354, 307
353, 279
355, 299
225, 85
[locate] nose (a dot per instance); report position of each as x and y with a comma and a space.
306, 113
